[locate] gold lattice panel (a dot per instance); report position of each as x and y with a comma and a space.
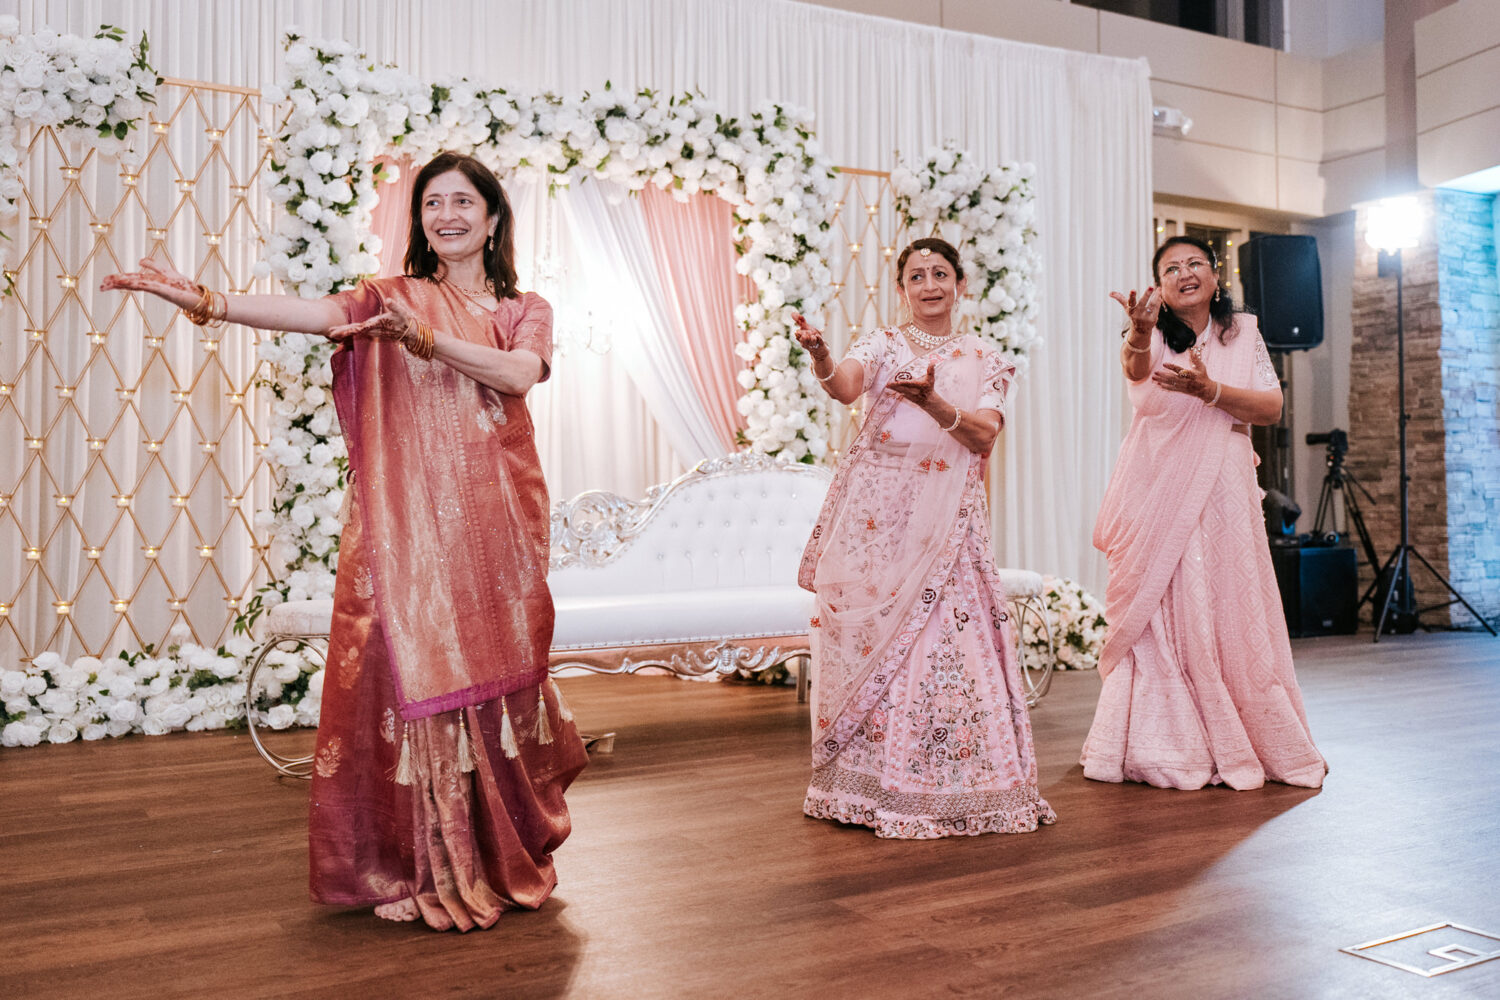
862, 259
130, 456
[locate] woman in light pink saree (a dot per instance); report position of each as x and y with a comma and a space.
920, 727
443, 749
1198, 684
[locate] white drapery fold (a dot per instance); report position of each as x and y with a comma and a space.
875, 86
609, 235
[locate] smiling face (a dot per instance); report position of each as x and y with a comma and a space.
1187, 278
454, 217
931, 288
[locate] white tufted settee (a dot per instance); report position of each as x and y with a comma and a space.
699, 577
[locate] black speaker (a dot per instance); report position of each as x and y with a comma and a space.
1284, 287
1319, 589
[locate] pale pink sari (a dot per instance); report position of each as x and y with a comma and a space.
1198, 683
920, 724
441, 629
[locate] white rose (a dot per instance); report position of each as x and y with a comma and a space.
124, 712
21, 734
94, 731
281, 716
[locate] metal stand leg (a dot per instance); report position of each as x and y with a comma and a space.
292, 767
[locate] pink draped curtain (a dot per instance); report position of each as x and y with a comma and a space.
694, 250
693, 245
390, 218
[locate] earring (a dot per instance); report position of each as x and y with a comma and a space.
490, 245
1218, 294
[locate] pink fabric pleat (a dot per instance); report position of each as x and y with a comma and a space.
1198, 681
693, 245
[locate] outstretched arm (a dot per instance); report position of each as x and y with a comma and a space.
510, 372
845, 380
265, 312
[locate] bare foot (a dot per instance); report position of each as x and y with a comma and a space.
401, 910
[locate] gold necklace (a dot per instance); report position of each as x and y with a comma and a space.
477, 296
926, 339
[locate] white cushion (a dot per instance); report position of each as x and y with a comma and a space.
300, 618
744, 530
1020, 584
644, 618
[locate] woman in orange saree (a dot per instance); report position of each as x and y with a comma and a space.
920, 727
443, 750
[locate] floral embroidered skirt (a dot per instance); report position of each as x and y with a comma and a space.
947, 749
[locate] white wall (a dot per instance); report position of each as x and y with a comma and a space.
1458, 91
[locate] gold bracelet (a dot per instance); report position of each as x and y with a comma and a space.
218, 309
1132, 348
419, 339
198, 315
958, 416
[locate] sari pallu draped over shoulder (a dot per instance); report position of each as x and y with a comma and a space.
455, 509
1176, 447
877, 562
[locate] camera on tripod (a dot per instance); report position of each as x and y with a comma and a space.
1337, 441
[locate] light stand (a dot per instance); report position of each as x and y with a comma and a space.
1393, 226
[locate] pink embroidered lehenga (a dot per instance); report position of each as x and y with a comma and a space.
920, 727
437, 664
1198, 683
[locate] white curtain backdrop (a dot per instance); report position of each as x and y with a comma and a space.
609, 234
594, 429
876, 86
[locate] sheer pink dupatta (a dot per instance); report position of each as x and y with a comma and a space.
883, 543
1168, 465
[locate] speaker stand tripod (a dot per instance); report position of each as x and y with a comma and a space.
1396, 571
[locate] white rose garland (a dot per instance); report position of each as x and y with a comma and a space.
90, 90
994, 211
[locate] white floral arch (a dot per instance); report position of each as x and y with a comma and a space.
344, 113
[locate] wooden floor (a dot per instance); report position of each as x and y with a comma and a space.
176, 866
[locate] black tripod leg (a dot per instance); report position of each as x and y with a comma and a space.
1369, 594
1354, 516
1453, 590
1396, 563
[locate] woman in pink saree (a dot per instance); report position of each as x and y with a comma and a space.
443, 750
920, 727
1198, 684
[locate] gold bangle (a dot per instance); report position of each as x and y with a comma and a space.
218, 309
198, 314
419, 339
958, 416
1131, 347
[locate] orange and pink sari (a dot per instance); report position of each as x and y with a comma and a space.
1198, 683
920, 727
437, 663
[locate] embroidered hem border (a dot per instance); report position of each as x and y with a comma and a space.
859, 799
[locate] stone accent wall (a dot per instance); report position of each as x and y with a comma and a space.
1374, 455
1470, 296
1452, 322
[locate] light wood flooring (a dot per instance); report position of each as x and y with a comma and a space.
176, 866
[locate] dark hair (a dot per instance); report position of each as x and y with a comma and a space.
935, 245
500, 260
1178, 335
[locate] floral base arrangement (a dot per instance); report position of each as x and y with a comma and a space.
185, 687
1076, 619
